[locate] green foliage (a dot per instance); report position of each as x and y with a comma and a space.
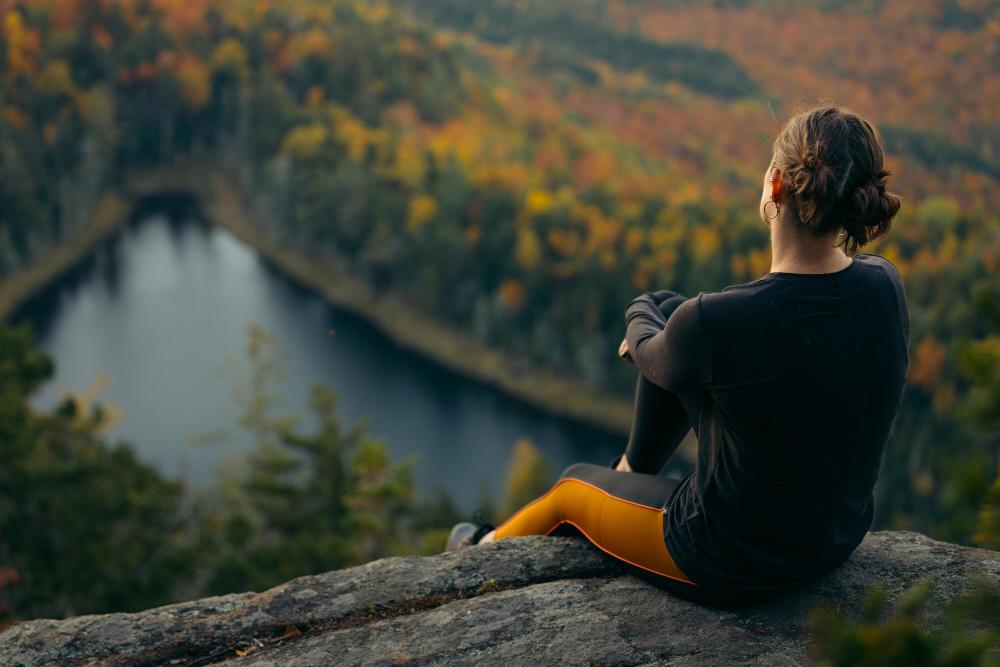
84, 525
583, 30
900, 636
936, 150
87, 528
979, 361
520, 170
988, 529
305, 501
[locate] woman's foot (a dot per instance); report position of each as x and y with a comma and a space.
466, 534
461, 536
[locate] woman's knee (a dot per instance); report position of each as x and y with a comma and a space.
669, 305
574, 471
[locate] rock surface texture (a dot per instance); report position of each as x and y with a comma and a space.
531, 600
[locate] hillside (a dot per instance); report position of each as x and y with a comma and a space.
519, 171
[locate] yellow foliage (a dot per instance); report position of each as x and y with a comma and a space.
760, 262
564, 242
630, 209
230, 56
462, 138
315, 42
664, 259
420, 211
512, 176
194, 81
305, 142
608, 259
603, 232
410, 165
704, 243
350, 132
527, 250
314, 97
687, 192
372, 12
538, 201
634, 238
528, 476
56, 78
14, 32
13, 26
665, 235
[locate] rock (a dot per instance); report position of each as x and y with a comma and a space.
526, 600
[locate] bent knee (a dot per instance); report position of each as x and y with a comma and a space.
576, 471
590, 473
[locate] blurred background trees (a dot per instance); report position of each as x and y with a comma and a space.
518, 170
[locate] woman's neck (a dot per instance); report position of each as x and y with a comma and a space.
799, 251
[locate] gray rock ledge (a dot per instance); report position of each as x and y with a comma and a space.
531, 600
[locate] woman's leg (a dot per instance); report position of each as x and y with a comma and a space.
620, 513
659, 422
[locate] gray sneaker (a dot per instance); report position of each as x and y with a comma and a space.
461, 536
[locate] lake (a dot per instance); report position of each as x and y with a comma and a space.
160, 309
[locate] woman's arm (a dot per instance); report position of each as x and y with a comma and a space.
670, 352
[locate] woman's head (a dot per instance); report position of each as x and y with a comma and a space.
831, 176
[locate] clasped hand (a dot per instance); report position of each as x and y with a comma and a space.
624, 352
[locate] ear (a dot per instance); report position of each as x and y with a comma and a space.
776, 185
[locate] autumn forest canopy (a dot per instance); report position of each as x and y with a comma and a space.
520, 171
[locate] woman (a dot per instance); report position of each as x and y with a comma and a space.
790, 382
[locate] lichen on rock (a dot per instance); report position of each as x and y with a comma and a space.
541, 600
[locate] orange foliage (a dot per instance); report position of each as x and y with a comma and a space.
511, 294
926, 364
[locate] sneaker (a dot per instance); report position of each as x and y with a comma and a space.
466, 534
461, 536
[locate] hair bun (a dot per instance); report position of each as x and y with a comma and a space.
832, 167
870, 208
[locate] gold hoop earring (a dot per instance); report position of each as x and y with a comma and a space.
776, 210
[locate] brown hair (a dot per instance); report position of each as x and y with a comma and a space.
831, 163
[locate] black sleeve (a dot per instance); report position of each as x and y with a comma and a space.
897, 283
670, 352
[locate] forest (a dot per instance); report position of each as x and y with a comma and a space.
518, 170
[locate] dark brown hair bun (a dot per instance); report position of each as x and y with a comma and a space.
832, 167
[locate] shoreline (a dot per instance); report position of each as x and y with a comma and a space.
412, 330
224, 204
111, 211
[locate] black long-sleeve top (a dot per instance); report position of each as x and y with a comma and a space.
791, 383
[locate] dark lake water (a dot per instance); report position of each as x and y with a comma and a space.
160, 309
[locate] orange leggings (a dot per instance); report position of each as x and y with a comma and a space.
621, 513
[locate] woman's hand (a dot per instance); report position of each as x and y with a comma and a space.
624, 352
